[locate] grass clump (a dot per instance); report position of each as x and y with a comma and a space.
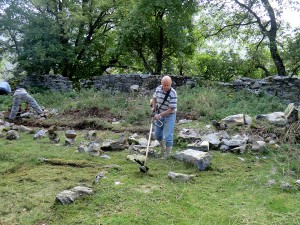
219, 102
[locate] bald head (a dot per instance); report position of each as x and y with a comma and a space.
166, 83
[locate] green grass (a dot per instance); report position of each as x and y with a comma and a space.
231, 191
206, 103
219, 102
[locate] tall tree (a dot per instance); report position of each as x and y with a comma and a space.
155, 30
66, 36
262, 14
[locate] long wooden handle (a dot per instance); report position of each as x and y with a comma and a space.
149, 139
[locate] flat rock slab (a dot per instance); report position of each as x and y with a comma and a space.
198, 158
69, 196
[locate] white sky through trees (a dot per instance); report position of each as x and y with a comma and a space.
292, 17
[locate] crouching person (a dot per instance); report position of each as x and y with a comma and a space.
20, 96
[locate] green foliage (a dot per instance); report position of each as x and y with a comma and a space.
221, 67
254, 24
5, 102
5, 73
81, 39
156, 30
68, 38
292, 56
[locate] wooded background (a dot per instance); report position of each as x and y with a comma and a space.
207, 39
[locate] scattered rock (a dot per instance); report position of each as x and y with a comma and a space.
237, 120
70, 134
105, 156
134, 88
114, 145
69, 141
91, 135
298, 184
285, 186
25, 129
180, 176
271, 183
240, 149
258, 146
53, 135
200, 159
276, 118
184, 121
189, 134
99, 176
291, 113
213, 139
200, 146
12, 135
82, 148
69, 196
70, 137
39, 134
94, 149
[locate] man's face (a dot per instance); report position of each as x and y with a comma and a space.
166, 85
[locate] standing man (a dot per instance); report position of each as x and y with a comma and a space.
21, 95
164, 107
4, 88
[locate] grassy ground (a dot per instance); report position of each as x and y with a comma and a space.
231, 191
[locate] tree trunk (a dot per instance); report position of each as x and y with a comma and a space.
272, 35
159, 54
276, 57
160, 51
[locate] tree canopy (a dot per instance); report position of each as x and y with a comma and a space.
216, 40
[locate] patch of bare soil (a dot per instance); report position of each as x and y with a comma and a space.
70, 118
90, 118
187, 115
93, 112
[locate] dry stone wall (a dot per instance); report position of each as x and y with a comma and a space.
49, 82
286, 88
123, 82
120, 82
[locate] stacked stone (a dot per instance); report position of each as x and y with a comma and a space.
70, 137
285, 88
51, 82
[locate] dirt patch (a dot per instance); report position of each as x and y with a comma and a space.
187, 115
91, 118
79, 119
93, 112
